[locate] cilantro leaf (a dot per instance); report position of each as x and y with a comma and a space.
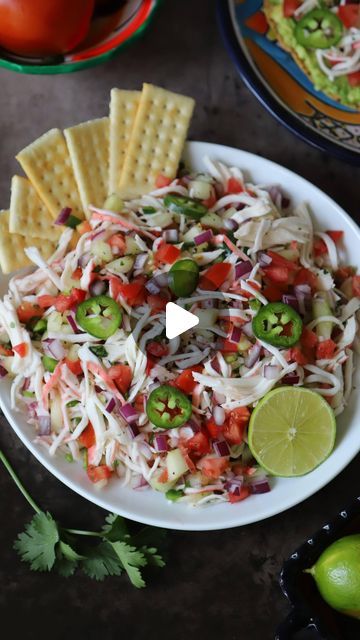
101, 561
66, 559
149, 536
153, 558
131, 559
37, 544
115, 528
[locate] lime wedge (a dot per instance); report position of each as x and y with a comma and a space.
292, 430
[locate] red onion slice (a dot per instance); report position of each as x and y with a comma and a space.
291, 300
253, 355
205, 236
3, 372
263, 259
221, 448
140, 261
271, 371
243, 268
44, 425
53, 348
219, 416
160, 443
248, 329
230, 224
171, 235
234, 485
260, 486
111, 405
97, 287
84, 260
290, 378
129, 413
134, 430
71, 320
64, 215
235, 335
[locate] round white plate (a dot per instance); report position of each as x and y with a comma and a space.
151, 507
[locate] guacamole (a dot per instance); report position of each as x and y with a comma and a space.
284, 29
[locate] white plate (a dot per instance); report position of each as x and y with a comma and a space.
151, 507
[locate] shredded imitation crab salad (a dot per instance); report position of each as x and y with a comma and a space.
83, 336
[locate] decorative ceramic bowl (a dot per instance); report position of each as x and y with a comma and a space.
308, 608
283, 88
151, 507
109, 33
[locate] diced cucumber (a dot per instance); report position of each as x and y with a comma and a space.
207, 317
212, 220
244, 343
163, 487
200, 189
55, 413
101, 251
121, 265
289, 254
73, 352
192, 233
54, 322
176, 465
49, 363
114, 203
131, 246
321, 308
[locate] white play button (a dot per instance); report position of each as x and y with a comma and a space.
178, 320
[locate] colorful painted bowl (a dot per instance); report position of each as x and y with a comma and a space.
109, 33
282, 87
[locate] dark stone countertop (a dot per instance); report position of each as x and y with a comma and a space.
217, 584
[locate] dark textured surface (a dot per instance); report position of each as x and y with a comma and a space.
219, 584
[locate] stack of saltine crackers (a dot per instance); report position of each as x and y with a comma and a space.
142, 138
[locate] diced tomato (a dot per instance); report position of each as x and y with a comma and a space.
336, 236
46, 301
122, 376
244, 493
273, 293
156, 303
162, 181
215, 276
118, 240
319, 247
156, 349
185, 380
76, 275
84, 227
349, 15
342, 274
354, 78
27, 311
96, 474
280, 261
164, 476
62, 302
214, 429
134, 293
74, 366
296, 355
198, 445
213, 467
257, 22
21, 349
277, 274
356, 285
5, 352
87, 438
139, 403
326, 349
209, 202
294, 245
234, 185
150, 364
289, 7
308, 338
305, 276
246, 294
236, 424
167, 253
226, 346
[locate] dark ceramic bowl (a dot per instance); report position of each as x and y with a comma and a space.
308, 608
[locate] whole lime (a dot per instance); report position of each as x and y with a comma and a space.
337, 575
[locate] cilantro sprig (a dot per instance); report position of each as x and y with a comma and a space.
45, 545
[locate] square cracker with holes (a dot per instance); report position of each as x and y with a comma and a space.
157, 139
28, 214
123, 108
47, 164
88, 145
12, 245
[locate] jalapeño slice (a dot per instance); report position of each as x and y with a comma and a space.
168, 407
186, 206
184, 277
100, 316
277, 324
318, 29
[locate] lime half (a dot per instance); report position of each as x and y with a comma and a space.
292, 430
